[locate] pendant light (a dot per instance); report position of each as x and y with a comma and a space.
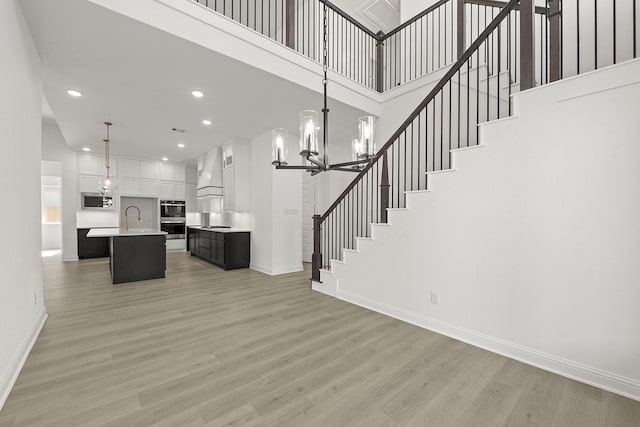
363, 151
107, 186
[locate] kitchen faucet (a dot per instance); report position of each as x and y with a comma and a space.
126, 216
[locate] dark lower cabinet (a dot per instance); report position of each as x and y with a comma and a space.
136, 258
228, 250
91, 247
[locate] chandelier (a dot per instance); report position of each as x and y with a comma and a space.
107, 186
363, 147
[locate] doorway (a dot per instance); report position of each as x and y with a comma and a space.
51, 208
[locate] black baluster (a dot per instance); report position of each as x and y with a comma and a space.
595, 33
614, 31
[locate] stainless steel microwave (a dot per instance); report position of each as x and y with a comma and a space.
96, 201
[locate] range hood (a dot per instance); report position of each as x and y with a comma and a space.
210, 175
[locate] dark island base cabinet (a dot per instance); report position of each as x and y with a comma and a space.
136, 258
91, 247
228, 250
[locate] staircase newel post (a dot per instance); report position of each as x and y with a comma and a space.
527, 37
384, 189
290, 23
460, 27
554, 16
380, 61
316, 257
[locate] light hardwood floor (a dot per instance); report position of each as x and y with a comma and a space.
208, 347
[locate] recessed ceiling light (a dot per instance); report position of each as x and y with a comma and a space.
164, 159
181, 145
86, 149
206, 122
197, 94
74, 93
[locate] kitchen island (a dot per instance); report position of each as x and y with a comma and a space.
229, 248
134, 254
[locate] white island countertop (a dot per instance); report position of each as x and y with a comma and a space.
116, 232
220, 230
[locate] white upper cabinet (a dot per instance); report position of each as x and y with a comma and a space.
88, 165
129, 168
166, 172
129, 186
149, 170
236, 177
136, 178
170, 172
88, 183
113, 166
149, 187
94, 165
170, 190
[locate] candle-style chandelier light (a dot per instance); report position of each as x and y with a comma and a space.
363, 146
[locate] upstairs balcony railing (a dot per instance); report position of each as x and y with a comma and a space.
594, 34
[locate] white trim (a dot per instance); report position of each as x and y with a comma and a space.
69, 258
277, 271
567, 368
10, 375
260, 269
324, 288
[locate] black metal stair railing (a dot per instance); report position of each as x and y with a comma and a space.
522, 46
447, 118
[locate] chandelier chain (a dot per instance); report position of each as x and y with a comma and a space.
325, 41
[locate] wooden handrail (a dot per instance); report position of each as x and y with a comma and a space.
438, 87
495, 3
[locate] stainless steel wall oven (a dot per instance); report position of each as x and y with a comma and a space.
173, 219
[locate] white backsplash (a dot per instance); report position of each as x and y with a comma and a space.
234, 219
149, 212
90, 218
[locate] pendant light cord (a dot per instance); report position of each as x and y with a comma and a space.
106, 151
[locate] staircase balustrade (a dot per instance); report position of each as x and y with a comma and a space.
491, 48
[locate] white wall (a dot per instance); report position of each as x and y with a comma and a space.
276, 205
261, 204
532, 243
22, 310
54, 148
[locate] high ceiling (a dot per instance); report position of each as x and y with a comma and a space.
141, 78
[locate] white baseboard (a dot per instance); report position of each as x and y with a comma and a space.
277, 271
602, 379
69, 258
325, 288
10, 374
260, 268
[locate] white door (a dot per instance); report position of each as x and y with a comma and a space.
308, 198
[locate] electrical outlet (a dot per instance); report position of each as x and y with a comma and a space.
435, 299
